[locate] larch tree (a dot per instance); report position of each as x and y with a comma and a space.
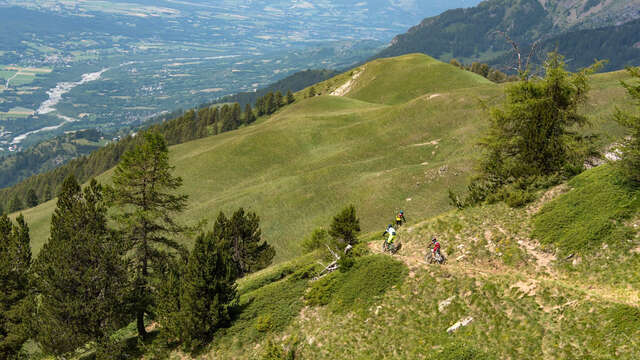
81, 274
144, 191
533, 135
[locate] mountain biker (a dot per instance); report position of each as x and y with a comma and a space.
392, 235
436, 249
400, 219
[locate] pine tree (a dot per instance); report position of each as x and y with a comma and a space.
312, 92
345, 226
244, 236
48, 193
279, 99
80, 273
15, 264
270, 104
15, 205
32, 198
143, 187
236, 116
208, 288
249, 116
630, 162
290, 98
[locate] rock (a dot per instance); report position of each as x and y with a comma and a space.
443, 304
459, 324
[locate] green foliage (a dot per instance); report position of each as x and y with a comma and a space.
16, 204
208, 289
590, 214
290, 98
275, 351
368, 279
345, 226
242, 233
81, 274
459, 351
32, 198
321, 291
630, 161
267, 309
532, 136
15, 265
143, 187
312, 92
318, 239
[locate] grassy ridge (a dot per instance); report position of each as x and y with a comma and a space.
372, 148
522, 307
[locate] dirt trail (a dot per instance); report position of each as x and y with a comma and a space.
415, 259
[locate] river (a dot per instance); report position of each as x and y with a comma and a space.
55, 96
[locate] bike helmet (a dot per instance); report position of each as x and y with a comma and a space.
389, 226
433, 239
401, 212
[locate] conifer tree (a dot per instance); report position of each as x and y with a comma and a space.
290, 98
236, 116
15, 264
630, 161
32, 198
345, 226
312, 92
249, 252
48, 193
15, 205
143, 189
532, 134
279, 100
249, 116
81, 274
270, 104
208, 288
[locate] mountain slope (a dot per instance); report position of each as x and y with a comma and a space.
396, 140
474, 33
522, 300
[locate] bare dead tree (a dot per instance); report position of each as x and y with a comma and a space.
522, 67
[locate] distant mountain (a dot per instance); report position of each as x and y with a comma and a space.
473, 34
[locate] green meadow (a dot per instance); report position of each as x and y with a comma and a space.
404, 134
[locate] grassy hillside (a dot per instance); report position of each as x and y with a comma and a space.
526, 301
403, 134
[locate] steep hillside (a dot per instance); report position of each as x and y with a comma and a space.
522, 297
473, 34
400, 137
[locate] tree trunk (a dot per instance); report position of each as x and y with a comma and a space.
142, 332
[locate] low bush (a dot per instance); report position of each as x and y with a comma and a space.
367, 280
458, 351
590, 214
